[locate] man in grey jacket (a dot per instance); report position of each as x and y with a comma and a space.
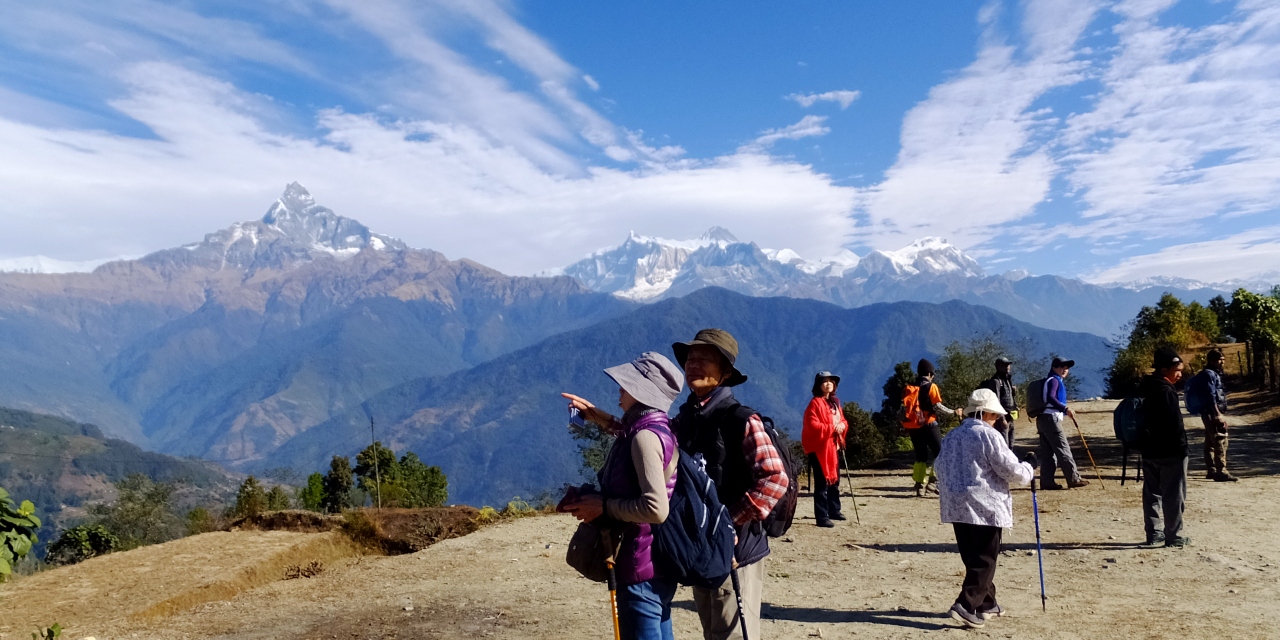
1207, 387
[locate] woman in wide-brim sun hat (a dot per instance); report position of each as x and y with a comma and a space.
636, 483
822, 436
975, 468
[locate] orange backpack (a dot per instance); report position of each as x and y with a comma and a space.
910, 414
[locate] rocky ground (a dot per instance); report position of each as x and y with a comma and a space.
892, 576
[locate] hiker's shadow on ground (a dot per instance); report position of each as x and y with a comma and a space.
950, 547
926, 620
896, 618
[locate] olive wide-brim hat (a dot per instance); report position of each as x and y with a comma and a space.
722, 341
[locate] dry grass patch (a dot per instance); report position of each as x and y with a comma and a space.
325, 548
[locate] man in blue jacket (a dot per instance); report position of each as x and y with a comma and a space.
1207, 387
1055, 451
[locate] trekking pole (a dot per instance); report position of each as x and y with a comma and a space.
737, 593
848, 475
1035, 509
613, 599
1086, 450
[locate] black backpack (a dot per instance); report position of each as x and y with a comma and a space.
1036, 404
779, 519
694, 545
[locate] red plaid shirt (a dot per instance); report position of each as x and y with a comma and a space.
768, 471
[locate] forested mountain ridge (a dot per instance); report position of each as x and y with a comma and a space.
498, 429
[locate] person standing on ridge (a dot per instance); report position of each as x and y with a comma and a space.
1163, 444
749, 473
1212, 396
822, 436
975, 469
921, 403
1055, 450
1002, 385
636, 483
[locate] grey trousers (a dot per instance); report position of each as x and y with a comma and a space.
1164, 489
1054, 451
718, 608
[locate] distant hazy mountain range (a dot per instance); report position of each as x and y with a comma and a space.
274, 341
228, 347
928, 270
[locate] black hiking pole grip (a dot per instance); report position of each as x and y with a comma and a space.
1035, 510
737, 593
613, 599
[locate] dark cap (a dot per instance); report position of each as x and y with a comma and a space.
924, 368
723, 342
826, 375
1165, 358
1003, 361
1059, 362
1214, 355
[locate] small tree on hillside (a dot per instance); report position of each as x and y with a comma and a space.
277, 499
311, 497
251, 499
424, 486
865, 443
78, 544
142, 514
886, 419
1168, 324
593, 446
338, 485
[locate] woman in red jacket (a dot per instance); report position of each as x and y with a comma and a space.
822, 435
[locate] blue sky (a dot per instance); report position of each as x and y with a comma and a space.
1106, 140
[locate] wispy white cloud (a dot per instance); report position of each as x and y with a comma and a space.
807, 127
436, 184
1254, 254
972, 158
843, 97
1187, 127
591, 82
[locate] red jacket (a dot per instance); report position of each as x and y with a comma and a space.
819, 436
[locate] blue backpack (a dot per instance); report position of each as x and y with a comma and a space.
1198, 393
694, 545
1127, 420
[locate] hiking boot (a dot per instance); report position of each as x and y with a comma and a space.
932, 487
1178, 542
826, 524
1155, 539
919, 490
994, 611
961, 615
1225, 477
1076, 484
839, 516
1053, 486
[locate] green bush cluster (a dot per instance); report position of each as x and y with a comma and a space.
80, 543
18, 525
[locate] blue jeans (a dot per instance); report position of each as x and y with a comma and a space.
644, 610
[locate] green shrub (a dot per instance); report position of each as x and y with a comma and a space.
78, 544
338, 485
311, 497
865, 443
251, 499
277, 499
201, 520
18, 525
142, 514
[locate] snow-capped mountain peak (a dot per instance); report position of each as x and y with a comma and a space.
295, 229
646, 268
928, 256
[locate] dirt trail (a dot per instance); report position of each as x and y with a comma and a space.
893, 576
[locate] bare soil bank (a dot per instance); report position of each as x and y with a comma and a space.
893, 576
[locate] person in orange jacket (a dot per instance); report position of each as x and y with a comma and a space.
822, 437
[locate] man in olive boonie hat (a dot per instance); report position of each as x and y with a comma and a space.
745, 465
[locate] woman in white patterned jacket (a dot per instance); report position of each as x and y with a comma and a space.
974, 469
